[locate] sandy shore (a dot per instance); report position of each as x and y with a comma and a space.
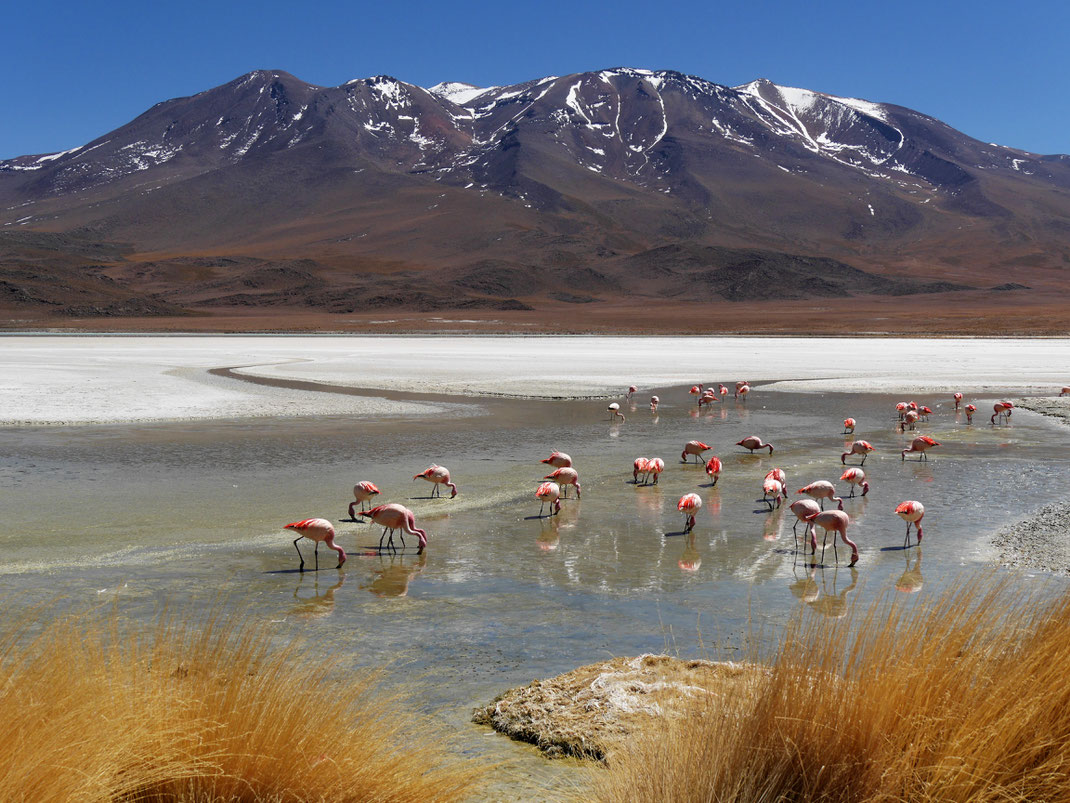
114, 379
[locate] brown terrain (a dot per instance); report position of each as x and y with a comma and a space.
615, 202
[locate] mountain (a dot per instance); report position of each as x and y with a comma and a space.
609, 189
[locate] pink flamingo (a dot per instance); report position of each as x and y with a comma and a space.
912, 513
804, 510
614, 411
753, 442
709, 397
901, 409
640, 466
1002, 410
693, 447
856, 476
438, 476
1064, 392
857, 447
910, 419
925, 412
722, 391
743, 391
549, 492
822, 490
833, 521
318, 530
696, 390
778, 475
689, 505
970, 410
565, 477
848, 426
921, 445
395, 517
958, 400
631, 389
654, 401
713, 469
558, 460
363, 491
771, 485
654, 468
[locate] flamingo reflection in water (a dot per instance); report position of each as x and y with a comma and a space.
393, 576
911, 581
690, 560
318, 605
834, 604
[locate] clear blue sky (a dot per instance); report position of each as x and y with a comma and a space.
998, 72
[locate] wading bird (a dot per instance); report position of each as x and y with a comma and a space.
910, 419
857, 447
856, 476
958, 400
970, 410
835, 522
558, 460
912, 513
921, 445
772, 486
1064, 392
654, 467
631, 389
804, 510
318, 530
689, 505
549, 492
438, 476
753, 442
693, 447
713, 469
743, 391
1001, 410
394, 517
822, 490
565, 477
640, 467
363, 491
614, 411
654, 400
848, 426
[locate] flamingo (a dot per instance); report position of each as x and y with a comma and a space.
631, 389
709, 397
822, 489
958, 400
920, 445
856, 476
857, 447
395, 517
1064, 392
614, 411
696, 390
722, 391
743, 391
654, 404
693, 447
549, 492
565, 477
1001, 410
834, 521
773, 486
901, 409
318, 530
848, 426
912, 513
640, 466
752, 442
970, 410
654, 467
909, 419
925, 412
363, 491
558, 460
437, 475
689, 505
713, 469
804, 510
778, 475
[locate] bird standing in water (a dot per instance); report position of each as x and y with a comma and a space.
835, 522
689, 505
693, 447
753, 442
320, 531
394, 517
558, 460
438, 476
856, 476
921, 445
565, 477
911, 512
549, 492
857, 447
614, 411
363, 491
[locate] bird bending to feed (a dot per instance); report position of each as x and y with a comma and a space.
558, 460
722, 390
857, 447
909, 419
709, 397
654, 467
713, 469
772, 486
921, 445
958, 400
925, 412
1001, 410
753, 442
822, 489
549, 492
693, 447
640, 466
363, 491
631, 389
901, 409
970, 410
614, 410
438, 475
804, 510
856, 476
689, 505
654, 400
565, 477
778, 475
911, 512
318, 530
833, 521
1064, 392
848, 426
743, 391
696, 390
395, 517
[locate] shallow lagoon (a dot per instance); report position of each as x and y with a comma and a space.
183, 513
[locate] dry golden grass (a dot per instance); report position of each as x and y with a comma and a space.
965, 700
91, 711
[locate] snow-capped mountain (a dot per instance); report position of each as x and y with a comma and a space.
622, 180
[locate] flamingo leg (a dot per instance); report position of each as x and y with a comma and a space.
863, 459
906, 538
299, 555
316, 552
402, 536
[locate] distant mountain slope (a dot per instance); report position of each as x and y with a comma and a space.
620, 184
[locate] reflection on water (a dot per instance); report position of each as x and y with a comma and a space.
312, 603
392, 576
911, 581
832, 601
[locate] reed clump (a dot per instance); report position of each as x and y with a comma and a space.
95, 711
966, 699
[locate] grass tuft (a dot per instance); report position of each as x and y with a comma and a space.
94, 711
